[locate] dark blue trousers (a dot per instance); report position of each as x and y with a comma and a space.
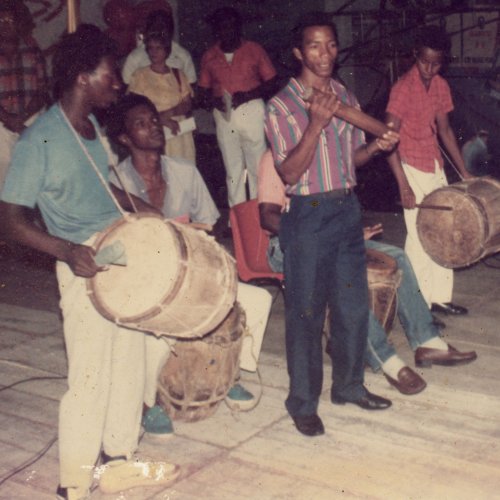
322, 240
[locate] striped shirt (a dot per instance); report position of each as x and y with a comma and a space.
417, 109
21, 78
333, 164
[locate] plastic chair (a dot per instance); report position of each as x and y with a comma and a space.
250, 245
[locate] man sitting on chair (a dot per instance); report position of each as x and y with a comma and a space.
175, 187
413, 311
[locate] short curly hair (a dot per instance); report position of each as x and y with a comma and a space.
79, 52
432, 37
117, 114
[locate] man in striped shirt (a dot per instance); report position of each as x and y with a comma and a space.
321, 233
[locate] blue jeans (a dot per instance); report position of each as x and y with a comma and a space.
324, 264
412, 309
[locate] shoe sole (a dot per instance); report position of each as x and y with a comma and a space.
240, 405
428, 364
407, 393
127, 483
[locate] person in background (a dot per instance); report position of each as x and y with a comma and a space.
236, 76
158, 21
476, 156
415, 317
418, 108
23, 82
175, 187
170, 92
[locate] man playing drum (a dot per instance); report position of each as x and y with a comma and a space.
175, 187
55, 166
415, 317
418, 108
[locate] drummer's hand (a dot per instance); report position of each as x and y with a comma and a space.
408, 199
370, 231
80, 259
467, 175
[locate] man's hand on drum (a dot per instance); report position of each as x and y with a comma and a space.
407, 195
80, 259
370, 231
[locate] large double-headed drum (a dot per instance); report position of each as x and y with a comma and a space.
468, 229
177, 281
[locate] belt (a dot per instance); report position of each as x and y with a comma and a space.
335, 193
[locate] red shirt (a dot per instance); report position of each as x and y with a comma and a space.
249, 68
417, 109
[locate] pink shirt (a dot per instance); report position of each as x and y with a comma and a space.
249, 68
417, 109
270, 187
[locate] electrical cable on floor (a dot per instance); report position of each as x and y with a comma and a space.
29, 462
47, 447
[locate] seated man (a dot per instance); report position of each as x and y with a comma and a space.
175, 187
413, 312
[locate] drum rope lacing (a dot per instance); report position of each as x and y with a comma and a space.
107, 149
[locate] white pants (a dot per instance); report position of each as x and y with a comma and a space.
256, 303
106, 367
435, 281
8, 140
242, 144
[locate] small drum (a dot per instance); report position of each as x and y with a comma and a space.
177, 281
384, 278
467, 233
199, 373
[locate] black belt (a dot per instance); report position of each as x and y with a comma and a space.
335, 193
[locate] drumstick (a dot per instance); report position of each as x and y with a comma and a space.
433, 207
355, 117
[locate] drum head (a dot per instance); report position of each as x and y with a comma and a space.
452, 238
154, 257
379, 264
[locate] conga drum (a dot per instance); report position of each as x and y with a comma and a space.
469, 231
177, 281
199, 372
384, 278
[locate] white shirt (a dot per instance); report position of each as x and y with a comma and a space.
187, 193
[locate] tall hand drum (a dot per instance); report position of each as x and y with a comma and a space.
384, 278
199, 372
470, 230
177, 281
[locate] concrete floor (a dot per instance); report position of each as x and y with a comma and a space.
441, 444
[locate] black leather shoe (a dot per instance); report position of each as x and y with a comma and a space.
437, 322
309, 425
448, 308
368, 402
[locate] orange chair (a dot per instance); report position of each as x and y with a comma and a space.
250, 244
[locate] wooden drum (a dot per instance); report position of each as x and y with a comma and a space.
199, 373
177, 281
467, 233
384, 278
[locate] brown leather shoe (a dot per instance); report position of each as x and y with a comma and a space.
408, 381
425, 357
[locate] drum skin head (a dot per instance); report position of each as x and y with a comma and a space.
124, 292
452, 238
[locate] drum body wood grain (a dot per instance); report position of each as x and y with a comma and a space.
467, 233
178, 281
199, 373
384, 278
